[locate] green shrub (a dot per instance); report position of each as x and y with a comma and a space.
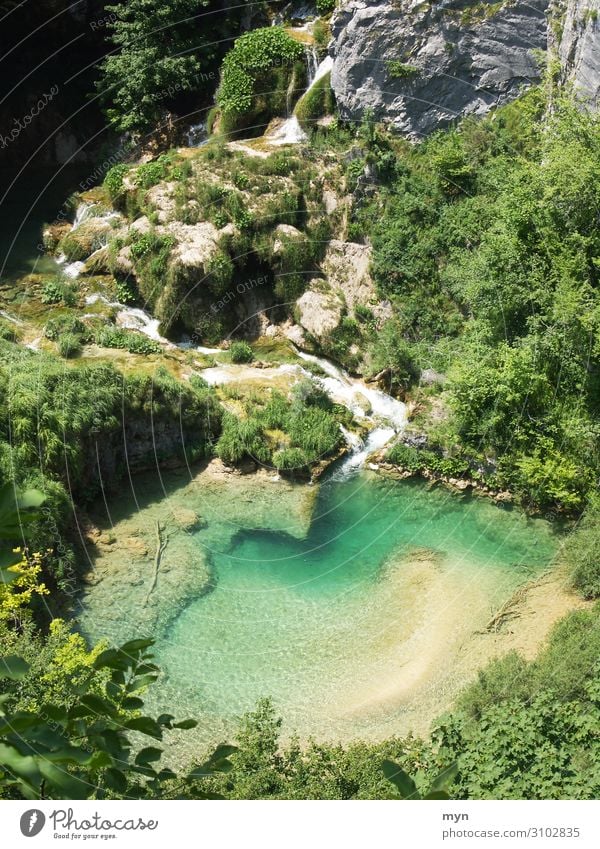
321, 35
582, 553
58, 291
290, 459
65, 324
406, 457
255, 75
315, 431
110, 336
363, 313
241, 352
240, 439
401, 70
325, 7
113, 182
150, 173
8, 331
69, 344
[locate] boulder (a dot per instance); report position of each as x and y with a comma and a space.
421, 66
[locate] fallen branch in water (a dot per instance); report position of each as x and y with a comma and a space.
161, 544
511, 609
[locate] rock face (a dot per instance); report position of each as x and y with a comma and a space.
575, 35
422, 65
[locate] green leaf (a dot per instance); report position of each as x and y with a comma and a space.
148, 755
445, 777
111, 659
146, 725
223, 751
405, 785
140, 683
136, 646
22, 766
13, 667
115, 780
95, 706
133, 703
69, 786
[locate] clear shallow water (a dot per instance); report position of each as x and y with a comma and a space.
348, 627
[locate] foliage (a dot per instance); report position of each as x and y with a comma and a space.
417, 460
390, 352
84, 750
289, 434
55, 327
113, 181
110, 336
58, 291
69, 344
407, 788
52, 420
24, 583
162, 50
255, 75
401, 70
484, 235
582, 553
316, 102
8, 331
325, 7
241, 352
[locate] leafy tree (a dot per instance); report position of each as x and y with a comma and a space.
161, 49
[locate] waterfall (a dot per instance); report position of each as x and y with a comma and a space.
312, 63
386, 414
83, 212
134, 318
290, 131
196, 135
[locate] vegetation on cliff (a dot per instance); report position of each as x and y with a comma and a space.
484, 241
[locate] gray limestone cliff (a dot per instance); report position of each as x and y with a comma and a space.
575, 39
421, 65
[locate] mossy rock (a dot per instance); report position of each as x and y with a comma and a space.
77, 245
316, 103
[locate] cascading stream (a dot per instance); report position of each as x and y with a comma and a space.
290, 131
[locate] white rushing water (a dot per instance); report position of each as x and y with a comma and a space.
197, 135
323, 68
134, 318
386, 415
290, 131
71, 270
